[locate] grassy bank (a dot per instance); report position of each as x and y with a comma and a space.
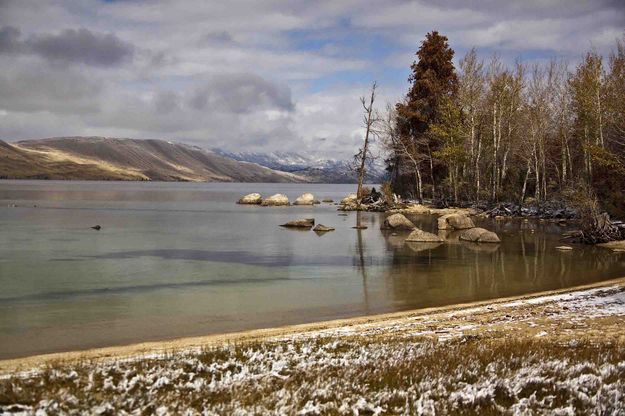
561, 353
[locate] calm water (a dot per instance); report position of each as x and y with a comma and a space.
179, 259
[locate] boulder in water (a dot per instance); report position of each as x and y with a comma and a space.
276, 200
398, 222
305, 199
96, 227
479, 235
251, 199
421, 236
455, 221
302, 223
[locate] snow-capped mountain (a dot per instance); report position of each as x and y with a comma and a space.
316, 168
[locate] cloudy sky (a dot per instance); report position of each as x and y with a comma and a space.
249, 74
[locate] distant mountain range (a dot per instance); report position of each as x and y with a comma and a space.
102, 158
314, 168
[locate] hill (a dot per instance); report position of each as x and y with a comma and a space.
101, 158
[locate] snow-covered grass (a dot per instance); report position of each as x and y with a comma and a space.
561, 355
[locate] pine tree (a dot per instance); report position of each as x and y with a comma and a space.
433, 82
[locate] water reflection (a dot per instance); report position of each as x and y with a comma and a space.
526, 260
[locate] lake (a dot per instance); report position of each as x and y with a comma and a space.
182, 259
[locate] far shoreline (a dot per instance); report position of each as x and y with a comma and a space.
156, 348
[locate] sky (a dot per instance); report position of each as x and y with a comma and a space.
253, 75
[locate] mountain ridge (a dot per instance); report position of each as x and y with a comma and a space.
106, 158
315, 168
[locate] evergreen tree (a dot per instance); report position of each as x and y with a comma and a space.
433, 82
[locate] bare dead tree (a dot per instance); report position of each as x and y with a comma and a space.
403, 148
370, 123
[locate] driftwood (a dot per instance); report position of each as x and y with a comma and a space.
599, 229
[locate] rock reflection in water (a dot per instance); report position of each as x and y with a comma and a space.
423, 274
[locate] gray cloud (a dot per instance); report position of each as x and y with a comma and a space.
69, 46
201, 71
10, 40
31, 88
241, 93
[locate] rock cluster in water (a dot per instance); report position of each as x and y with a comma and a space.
277, 200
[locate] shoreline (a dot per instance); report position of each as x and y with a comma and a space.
146, 350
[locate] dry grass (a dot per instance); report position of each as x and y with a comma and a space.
329, 376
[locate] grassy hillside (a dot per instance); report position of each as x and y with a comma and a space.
100, 158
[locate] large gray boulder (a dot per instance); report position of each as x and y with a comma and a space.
456, 221
421, 236
251, 199
305, 199
479, 235
398, 222
301, 223
276, 200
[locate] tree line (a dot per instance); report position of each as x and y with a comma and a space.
491, 132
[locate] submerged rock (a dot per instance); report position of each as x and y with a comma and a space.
276, 200
564, 248
398, 222
305, 199
251, 199
96, 227
327, 200
418, 247
322, 228
455, 221
301, 223
421, 236
479, 235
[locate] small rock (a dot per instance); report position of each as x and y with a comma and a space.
564, 248
96, 227
302, 223
251, 199
398, 222
305, 199
276, 200
322, 228
349, 199
327, 200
